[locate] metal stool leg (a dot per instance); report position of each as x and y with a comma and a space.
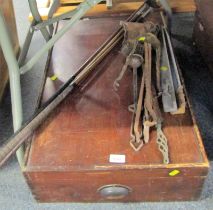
54, 6
14, 75
26, 45
37, 18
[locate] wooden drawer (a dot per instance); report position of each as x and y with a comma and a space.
86, 186
69, 155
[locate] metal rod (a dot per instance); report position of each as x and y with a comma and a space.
14, 76
168, 94
53, 7
25, 132
37, 17
176, 73
26, 45
54, 20
83, 8
168, 11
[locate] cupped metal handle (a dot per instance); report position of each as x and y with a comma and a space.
114, 191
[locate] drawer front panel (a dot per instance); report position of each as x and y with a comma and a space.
123, 187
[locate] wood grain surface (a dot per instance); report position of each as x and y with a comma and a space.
119, 7
83, 186
69, 155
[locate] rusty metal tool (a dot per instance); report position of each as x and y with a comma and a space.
136, 138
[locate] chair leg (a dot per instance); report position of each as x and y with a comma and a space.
37, 18
14, 76
26, 45
54, 6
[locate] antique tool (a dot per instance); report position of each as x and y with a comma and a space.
150, 117
152, 114
136, 62
124, 68
176, 78
162, 144
133, 31
23, 134
137, 142
139, 40
161, 138
174, 71
155, 42
168, 91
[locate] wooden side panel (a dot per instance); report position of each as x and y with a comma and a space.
177, 5
120, 6
83, 187
7, 9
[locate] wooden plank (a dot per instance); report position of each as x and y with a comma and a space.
98, 10
177, 5
65, 2
124, 7
83, 186
8, 12
101, 9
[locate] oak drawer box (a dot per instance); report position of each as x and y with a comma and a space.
69, 156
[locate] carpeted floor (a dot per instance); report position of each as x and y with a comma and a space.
14, 192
